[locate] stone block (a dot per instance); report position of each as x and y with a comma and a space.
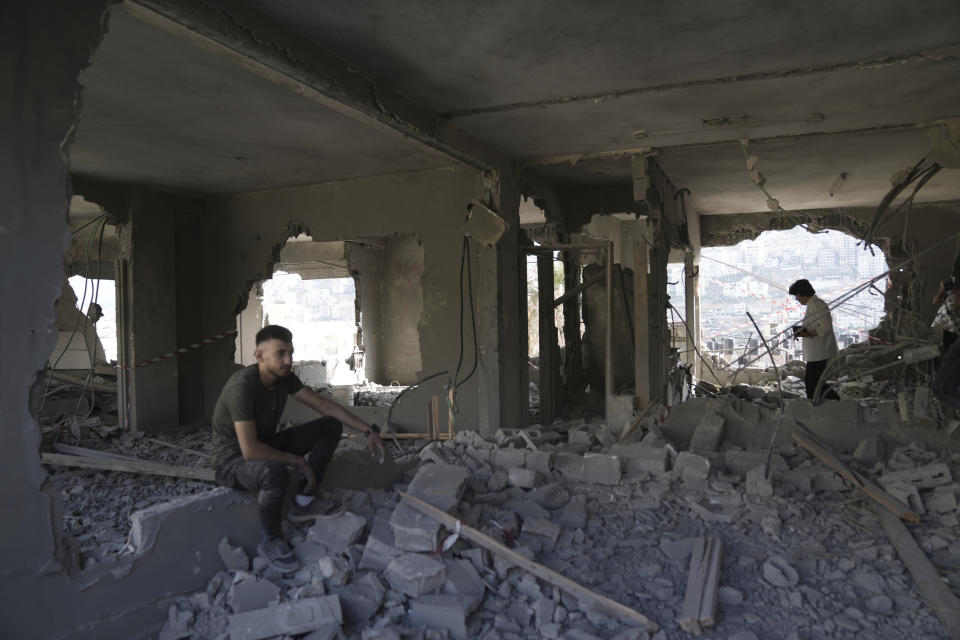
693, 469
289, 618
550, 496
379, 549
523, 478
526, 509
800, 477
870, 451
508, 458
579, 436
740, 462
234, 558
570, 465
415, 574
442, 611
361, 599
439, 485
248, 593
925, 477
463, 580
707, 434
574, 515
639, 457
541, 461
338, 532
602, 469
757, 484
541, 527
941, 501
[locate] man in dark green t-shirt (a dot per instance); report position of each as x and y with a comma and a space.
249, 453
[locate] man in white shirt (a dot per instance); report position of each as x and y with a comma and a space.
816, 330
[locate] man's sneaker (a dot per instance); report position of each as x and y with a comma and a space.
320, 507
278, 555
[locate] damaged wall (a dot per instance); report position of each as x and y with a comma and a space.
243, 234
928, 225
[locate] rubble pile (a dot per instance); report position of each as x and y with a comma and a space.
803, 555
372, 394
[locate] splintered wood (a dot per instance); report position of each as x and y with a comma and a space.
700, 602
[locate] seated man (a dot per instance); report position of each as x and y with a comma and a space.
250, 454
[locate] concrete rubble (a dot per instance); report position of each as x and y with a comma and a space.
804, 556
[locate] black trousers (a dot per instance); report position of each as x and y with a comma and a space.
815, 369
318, 437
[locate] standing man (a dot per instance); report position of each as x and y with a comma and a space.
816, 330
947, 379
250, 454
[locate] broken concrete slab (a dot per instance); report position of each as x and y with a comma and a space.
541, 527
541, 461
602, 469
523, 478
740, 462
337, 532
249, 592
415, 574
233, 558
758, 484
707, 434
640, 457
288, 618
463, 580
508, 458
569, 465
925, 477
361, 599
439, 485
379, 549
550, 496
442, 611
693, 469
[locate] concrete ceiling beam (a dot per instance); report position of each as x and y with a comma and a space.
950, 53
254, 42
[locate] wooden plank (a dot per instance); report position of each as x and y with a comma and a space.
830, 459
700, 602
935, 592
575, 291
612, 607
142, 466
92, 453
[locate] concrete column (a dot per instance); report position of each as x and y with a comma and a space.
692, 314
150, 241
641, 313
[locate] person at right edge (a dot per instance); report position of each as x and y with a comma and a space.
947, 379
816, 331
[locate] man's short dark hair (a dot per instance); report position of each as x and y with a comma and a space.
274, 332
802, 288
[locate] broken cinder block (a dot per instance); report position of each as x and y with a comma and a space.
641, 457
602, 469
707, 434
415, 574
693, 469
925, 477
438, 485
288, 618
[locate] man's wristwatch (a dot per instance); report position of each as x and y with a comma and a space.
373, 429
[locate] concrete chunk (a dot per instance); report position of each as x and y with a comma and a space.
707, 434
640, 457
248, 592
541, 461
415, 574
602, 469
693, 469
570, 465
439, 485
541, 527
757, 484
339, 532
379, 550
234, 558
550, 496
574, 515
463, 580
443, 611
360, 600
740, 462
925, 477
289, 618
523, 478
508, 458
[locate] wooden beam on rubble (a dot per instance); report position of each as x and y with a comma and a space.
128, 466
700, 601
813, 444
935, 592
603, 603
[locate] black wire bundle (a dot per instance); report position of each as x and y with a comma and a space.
917, 174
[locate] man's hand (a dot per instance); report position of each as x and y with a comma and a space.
377, 449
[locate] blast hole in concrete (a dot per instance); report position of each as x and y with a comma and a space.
755, 275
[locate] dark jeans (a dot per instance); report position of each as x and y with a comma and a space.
947, 380
815, 369
318, 437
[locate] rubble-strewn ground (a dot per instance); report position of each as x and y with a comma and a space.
809, 561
